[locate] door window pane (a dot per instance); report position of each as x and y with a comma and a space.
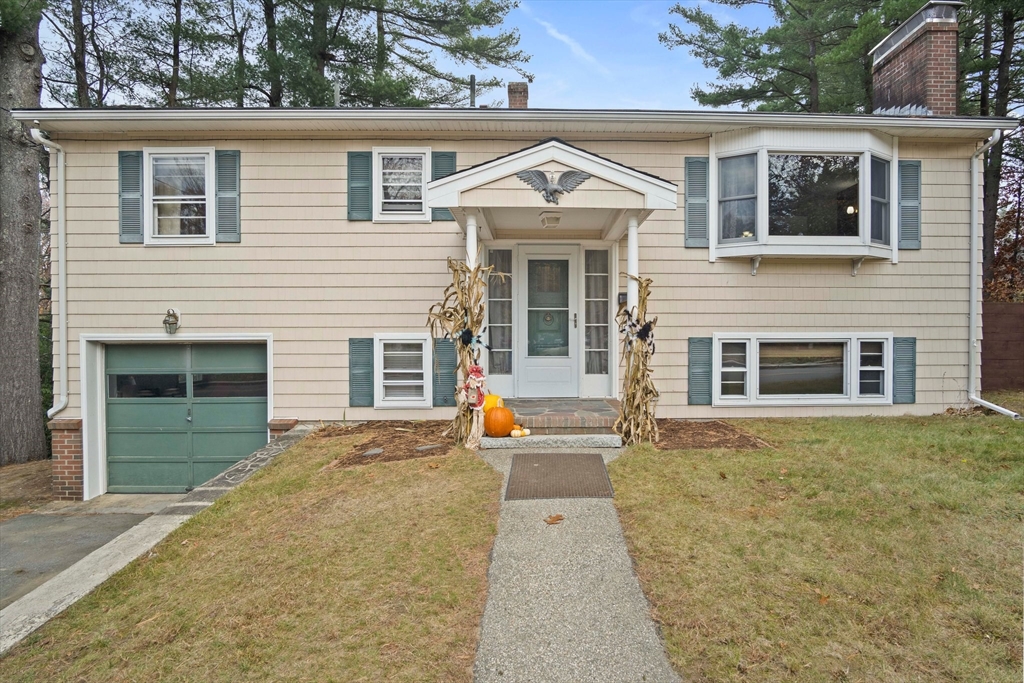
813, 195
147, 386
801, 368
596, 316
548, 284
548, 333
229, 384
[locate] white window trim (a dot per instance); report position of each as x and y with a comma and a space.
379, 216
148, 225
798, 246
379, 401
851, 369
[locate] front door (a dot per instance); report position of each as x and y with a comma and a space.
548, 332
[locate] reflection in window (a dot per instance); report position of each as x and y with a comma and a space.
813, 195
179, 195
801, 368
147, 386
402, 182
737, 198
734, 369
499, 311
879, 201
229, 385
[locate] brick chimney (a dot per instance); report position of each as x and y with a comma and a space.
915, 67
518, 94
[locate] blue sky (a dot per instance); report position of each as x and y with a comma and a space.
605, 54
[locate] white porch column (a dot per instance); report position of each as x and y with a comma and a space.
632, 264
471, 242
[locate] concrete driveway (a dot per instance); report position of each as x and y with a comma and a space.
37, 546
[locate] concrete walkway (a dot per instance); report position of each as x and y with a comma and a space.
563, 602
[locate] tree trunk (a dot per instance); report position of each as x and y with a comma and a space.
172, 90
814, 87
382, 56
21, 415
994, 158
318, 34
273, 61
78, 58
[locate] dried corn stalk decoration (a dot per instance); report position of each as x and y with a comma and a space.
636, 423
460, 317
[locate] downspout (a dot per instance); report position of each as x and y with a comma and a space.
59, 402
972, 320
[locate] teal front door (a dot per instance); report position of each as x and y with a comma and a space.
180, 414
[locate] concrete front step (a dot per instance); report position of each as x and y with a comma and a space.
537, 431
555, 441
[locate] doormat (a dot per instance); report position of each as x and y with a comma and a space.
557, 475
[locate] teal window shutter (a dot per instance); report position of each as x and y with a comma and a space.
360, 186
696, 189
904, 370
129, 176
699, 389
229, 180
360, 372
444, 372
910, 204
441, 164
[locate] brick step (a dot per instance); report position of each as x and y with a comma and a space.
555, 441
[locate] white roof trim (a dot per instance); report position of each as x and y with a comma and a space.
447, 192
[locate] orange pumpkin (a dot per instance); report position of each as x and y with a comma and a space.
498, 422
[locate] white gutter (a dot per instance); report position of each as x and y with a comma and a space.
972, 320
59, 402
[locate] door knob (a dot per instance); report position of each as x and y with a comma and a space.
574, 316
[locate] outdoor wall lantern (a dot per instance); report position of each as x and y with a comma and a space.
550, 219
172, 320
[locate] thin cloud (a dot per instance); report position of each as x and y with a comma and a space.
578, 50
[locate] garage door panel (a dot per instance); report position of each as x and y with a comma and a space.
147, 414
147, 357
229, 358
229, 446
150, 476
146, 445
208, 414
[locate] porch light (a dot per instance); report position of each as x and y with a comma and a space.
172, 320
550, 219
850, 210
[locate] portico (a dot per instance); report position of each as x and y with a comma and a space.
554, 247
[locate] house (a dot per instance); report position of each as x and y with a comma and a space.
225, 272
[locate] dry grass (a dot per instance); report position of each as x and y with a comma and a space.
365, 574
856, 550
1013, 400
24, 487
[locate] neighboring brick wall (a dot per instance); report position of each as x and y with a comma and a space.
922, 71
67, 458
1002, 349
518, 95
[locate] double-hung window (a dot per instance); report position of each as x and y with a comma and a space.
179, 196
795, 369
400, 177
402, 370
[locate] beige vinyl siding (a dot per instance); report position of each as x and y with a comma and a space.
311, 278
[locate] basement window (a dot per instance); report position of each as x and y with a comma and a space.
402, 376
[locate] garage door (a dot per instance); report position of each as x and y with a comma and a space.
178, 415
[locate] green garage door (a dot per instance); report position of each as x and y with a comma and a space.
178, 415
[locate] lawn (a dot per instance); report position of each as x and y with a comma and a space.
367, 573
870, 549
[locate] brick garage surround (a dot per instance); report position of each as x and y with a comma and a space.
66, 446
280, 426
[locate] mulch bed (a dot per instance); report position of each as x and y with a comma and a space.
388, 441
692, 435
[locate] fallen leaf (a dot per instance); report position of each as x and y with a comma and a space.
822, 599
783, 471
722, 475
433, 465
554, 519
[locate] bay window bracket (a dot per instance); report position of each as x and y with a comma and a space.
856, 263
755, 262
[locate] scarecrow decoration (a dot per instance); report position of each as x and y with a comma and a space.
459, 316
636, 423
